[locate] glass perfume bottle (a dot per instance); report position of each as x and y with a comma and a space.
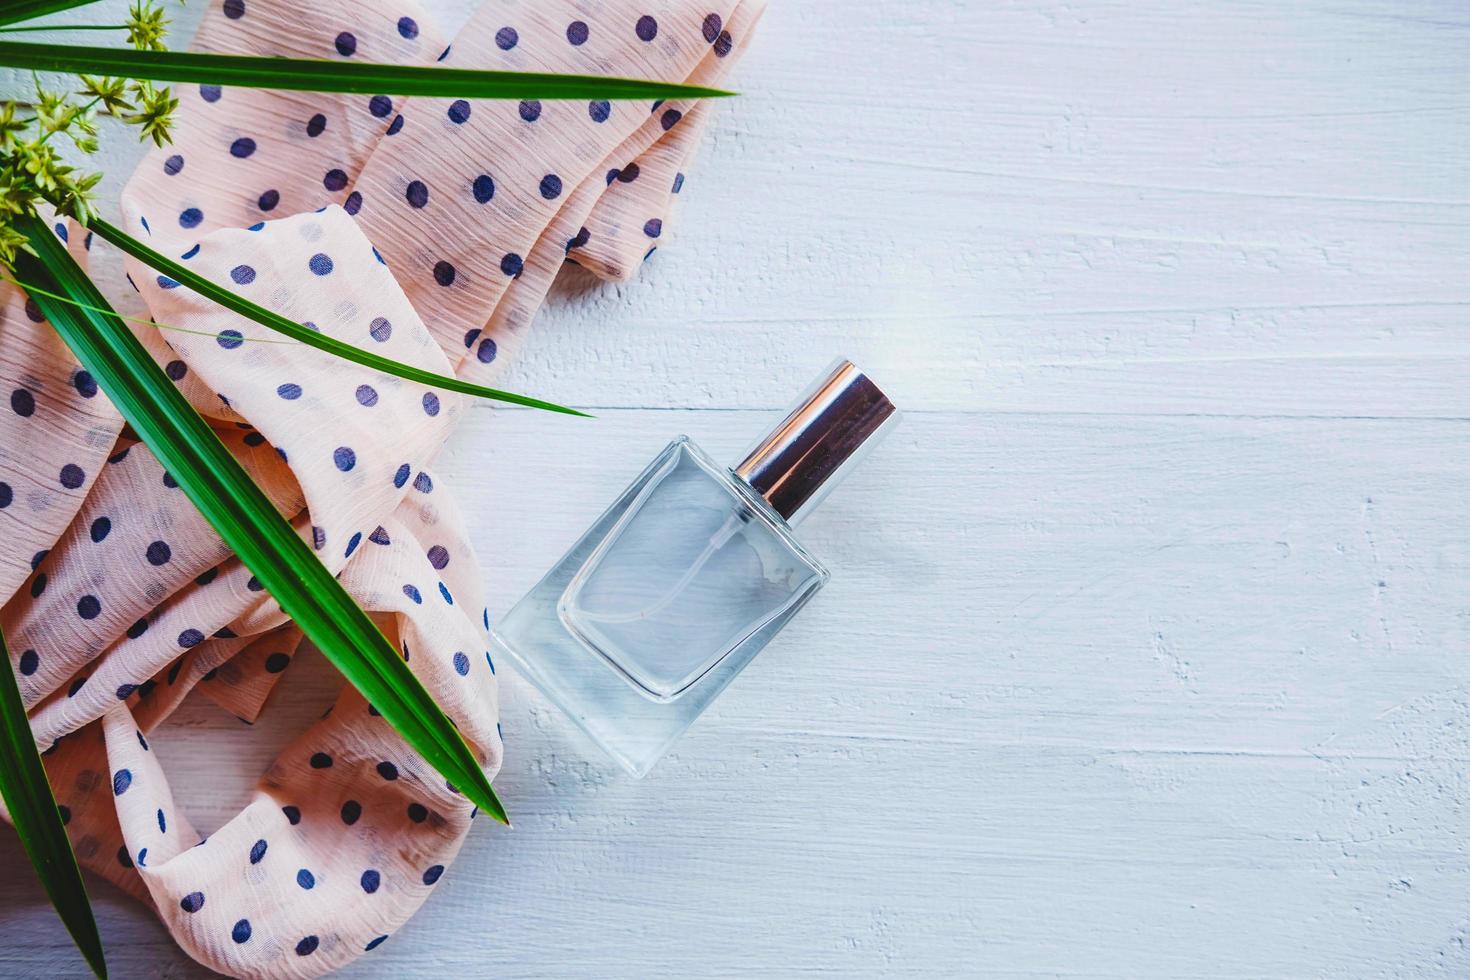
689, 574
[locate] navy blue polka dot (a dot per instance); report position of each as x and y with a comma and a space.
164, 282
316, 125
487, 655
506, 38
433, 874
388, 770
413, 593
352, 544
530, 110
243, 275
190, 638
121, 780
320, 760
84, 383
192, 902
234, 9
306, 879
241, 932
353, 204
577, 33
367, 396
511, 264
461, 664
678, 183
400, 477
417, 193
190, 217
268, 200
483, 188
6, 495
653, 227
159, 553
276, 663
351, 812
646, 28
444, 591
162, 823
346, 44
335, 179
723, 44
209, 93
293, 814
289, 391
396, 125
123, 692
344, 457
101, 527
23, 403
423, 483
431, 404
444, 273
629, 173
173, 165
38, 586
318, 538
307, 946
551, 187
459, 112
89, 607
417, 812
670, 118
370, 881
29, 661
257, 851
123, 857
408, 28
242, 147
137, 629
380, 329
230, 339
374, 944
321, 264
380, 105
711, 27
599, 110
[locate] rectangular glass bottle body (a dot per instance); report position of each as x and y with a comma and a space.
659, 605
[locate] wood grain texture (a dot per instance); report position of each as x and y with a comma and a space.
1145, 650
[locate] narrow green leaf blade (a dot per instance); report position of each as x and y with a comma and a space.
38, 822
241, 513
231, 300
15, 11
311, 75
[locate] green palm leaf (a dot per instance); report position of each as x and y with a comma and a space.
38, 822
15, 11
241, 513
233, 301
309, 75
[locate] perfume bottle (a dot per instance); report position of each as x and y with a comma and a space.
689, 574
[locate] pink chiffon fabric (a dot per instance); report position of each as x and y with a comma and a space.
427, 230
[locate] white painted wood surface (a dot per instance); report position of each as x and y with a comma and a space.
1146, 649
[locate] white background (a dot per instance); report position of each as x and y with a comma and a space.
1146, 650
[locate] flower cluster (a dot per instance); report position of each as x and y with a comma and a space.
35, 135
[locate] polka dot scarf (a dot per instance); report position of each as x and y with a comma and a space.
426, 230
